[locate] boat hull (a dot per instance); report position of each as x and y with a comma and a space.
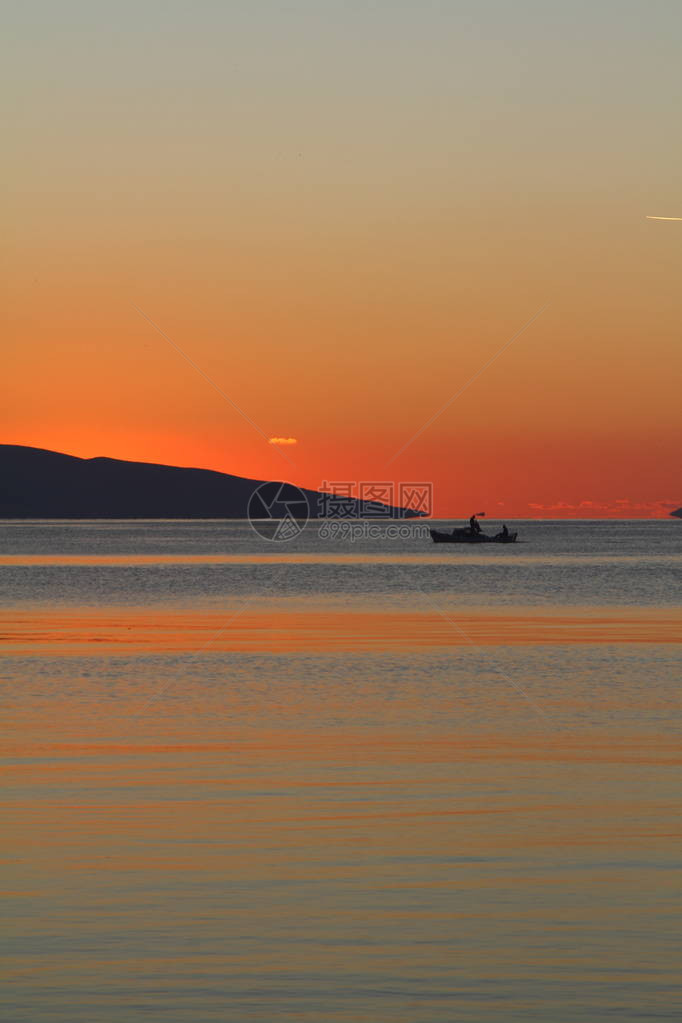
464, 536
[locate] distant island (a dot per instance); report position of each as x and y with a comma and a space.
677, 514
42, 484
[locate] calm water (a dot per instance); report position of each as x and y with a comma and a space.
341, 781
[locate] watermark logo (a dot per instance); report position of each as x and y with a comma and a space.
281, 511
278, 511
356, 531
374, 499
416, 498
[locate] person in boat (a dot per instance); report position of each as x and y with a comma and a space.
505, 531
474, 525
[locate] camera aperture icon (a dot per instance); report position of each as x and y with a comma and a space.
278, 511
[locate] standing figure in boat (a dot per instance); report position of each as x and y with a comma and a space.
474, 525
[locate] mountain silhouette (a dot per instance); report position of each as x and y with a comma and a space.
36, 483
677, 513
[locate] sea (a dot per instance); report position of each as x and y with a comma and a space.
347, 776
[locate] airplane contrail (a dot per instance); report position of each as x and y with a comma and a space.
664, 218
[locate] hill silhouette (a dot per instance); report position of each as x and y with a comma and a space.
677, 513
37, 483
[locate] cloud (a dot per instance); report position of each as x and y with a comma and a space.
619, 506
283, 440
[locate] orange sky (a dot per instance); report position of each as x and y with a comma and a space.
340, 219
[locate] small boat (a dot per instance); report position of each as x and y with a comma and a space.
466, 536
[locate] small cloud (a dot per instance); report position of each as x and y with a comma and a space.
620, 506
283, 441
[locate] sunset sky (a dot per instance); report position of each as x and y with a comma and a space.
340, 212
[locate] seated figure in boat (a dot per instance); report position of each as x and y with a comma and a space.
474, 525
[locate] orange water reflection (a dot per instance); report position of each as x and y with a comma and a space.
245, 629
